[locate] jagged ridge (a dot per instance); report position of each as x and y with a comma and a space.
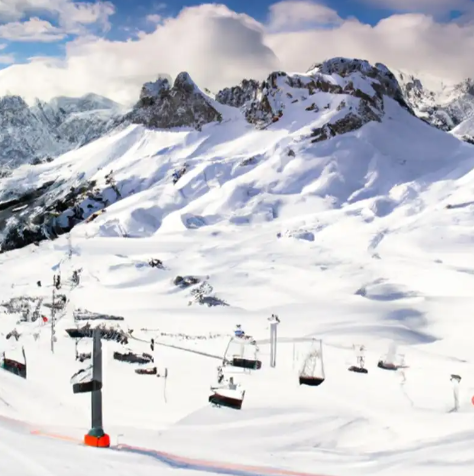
48, 129
333, 98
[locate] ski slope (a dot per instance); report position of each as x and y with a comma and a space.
348, 241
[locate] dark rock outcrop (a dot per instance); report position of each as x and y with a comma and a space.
185, 281
237, 96
164, 107
51, 210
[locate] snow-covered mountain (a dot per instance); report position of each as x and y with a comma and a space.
32, 134
332, 98
283, 118
449, 107
317, 196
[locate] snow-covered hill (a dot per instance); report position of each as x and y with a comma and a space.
33, 134
319, 197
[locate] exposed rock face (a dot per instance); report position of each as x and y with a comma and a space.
265, 103
348, 123
182, 105
52, 210
22, 135
46, 130
237, 96
446, 108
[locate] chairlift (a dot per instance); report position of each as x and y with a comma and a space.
82, 381
133, 358
388, 362
14, 366
381, 364
229, 395
314, 359
242, 353
360, 355
147, 371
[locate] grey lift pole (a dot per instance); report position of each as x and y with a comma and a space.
274, 321
96, 395
96, 436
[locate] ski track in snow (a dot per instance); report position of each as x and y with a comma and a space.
292, 235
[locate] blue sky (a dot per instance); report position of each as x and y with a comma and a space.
114, 47
130, 15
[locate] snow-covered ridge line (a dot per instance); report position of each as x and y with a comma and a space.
47, 129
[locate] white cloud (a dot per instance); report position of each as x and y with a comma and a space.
154, 18
72, 17
219, 47
7, 59
31, 30
291, 14
431, 6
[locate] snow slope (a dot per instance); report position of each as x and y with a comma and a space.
348, 240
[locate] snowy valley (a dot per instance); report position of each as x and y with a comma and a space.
319, 197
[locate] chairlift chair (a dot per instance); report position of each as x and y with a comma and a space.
220, 400
15, 366
381, 364
387, 362
147, 371
308, 375
360, 367
386, 365
242, 353
82, 381
228, 395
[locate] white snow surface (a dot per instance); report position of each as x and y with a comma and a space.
347, 240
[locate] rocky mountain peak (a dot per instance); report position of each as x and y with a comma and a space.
153, 89
358, 87
12, 104
237, 96
182, 105
184, 82
379, 76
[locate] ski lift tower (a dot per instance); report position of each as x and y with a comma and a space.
96, 436
274, 321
